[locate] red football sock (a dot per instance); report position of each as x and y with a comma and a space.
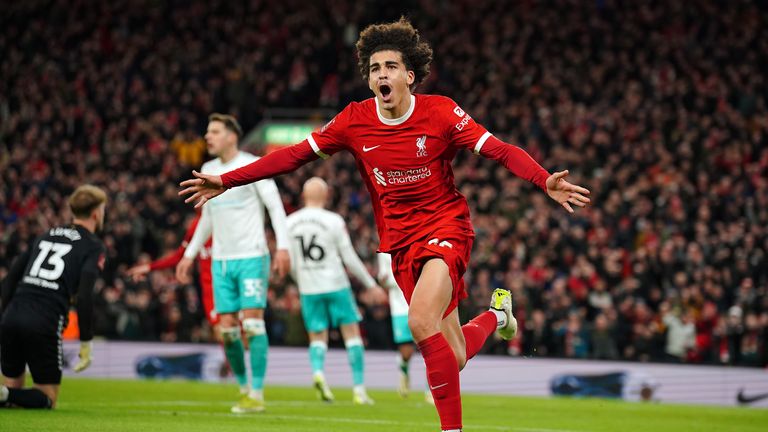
477, 331
443, 379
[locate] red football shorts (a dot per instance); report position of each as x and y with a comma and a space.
450, 245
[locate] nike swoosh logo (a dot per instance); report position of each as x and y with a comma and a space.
438, 386
367, 149
742, 398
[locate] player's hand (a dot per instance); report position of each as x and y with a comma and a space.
86, 357
566, 193
202, 189
282, 264
138, 272
184, 271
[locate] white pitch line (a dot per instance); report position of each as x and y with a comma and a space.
345, 420
191, 403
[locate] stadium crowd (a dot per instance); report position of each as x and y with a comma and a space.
660, 108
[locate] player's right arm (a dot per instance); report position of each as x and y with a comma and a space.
321, 144
12, 280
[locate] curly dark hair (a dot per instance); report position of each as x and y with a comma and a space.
397, 36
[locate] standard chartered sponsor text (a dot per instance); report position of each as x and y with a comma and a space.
408, 176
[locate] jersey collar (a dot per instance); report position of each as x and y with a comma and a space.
400, 120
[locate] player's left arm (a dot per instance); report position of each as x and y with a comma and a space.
385, 275
521, 164
90, 273
354, 264
12, 280
466, 133
270, 196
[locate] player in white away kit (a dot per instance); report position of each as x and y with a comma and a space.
319, 245
241, 259
398, 311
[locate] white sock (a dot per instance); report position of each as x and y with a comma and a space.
501, 318
3, 393
256, 394
359, 389
451, 430
318, 375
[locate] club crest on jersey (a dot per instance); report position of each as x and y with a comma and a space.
421, 146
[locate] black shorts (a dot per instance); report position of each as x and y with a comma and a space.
31, 335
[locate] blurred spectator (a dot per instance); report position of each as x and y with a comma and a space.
190, 148
603, 340
574, 339
681, 334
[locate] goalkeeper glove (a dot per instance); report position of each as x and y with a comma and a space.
85, 356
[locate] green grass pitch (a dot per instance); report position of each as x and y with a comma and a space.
175, 406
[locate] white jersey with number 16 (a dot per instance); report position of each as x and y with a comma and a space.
319, 245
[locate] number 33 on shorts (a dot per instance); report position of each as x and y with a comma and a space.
254, 288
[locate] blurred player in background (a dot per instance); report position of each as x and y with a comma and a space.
59, 270
139, 271
241, 260
319, 245
398, 311
404, 145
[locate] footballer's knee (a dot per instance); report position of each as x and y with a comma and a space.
227, 320
353, 341
422, 327
254, 327
51, 391
230, 335
256, 313
461, 357
17, 382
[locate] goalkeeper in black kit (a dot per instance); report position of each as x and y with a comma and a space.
57, 271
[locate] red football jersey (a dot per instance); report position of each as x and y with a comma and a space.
405, 163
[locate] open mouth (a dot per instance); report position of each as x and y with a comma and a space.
386, 92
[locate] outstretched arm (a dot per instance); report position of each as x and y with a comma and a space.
521, 164
470, 135
205, 187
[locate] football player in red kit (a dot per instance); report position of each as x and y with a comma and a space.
404, 144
